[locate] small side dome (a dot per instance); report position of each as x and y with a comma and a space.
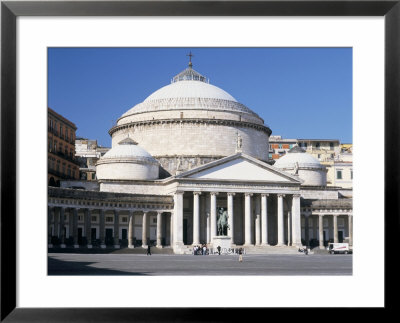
127, 161
307, 167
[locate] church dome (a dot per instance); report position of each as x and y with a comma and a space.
190, 89
191, 122
127, 148
297, 155
307, 167
127, 161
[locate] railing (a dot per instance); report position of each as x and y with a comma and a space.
60, 174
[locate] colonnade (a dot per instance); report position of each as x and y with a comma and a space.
58, 214
334, 217
259, 217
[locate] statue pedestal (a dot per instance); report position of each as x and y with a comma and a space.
223, 241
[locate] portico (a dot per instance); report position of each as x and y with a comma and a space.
256, 198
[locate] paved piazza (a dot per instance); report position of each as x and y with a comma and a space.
180, 265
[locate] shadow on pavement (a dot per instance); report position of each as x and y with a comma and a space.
56, 267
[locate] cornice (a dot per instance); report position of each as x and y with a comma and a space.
221, 122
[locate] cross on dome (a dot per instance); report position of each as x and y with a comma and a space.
190, 59
189, 74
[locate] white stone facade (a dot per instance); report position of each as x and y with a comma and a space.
182, 160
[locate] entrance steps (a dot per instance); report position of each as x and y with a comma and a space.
286, 250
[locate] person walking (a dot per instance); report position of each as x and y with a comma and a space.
219, 250
240, 255
148, 250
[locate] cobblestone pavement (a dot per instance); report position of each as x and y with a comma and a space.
172, 265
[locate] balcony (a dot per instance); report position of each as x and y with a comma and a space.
60, 174
66, 157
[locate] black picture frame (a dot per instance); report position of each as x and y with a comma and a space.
10, 10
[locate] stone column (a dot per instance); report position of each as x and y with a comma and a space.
350, 229
281, 231
315, 229
203, 219
159, 228
230, 217
56, 213
116, 229
88, 226
289, 235
62, 225
321, 231
196, 218
264, 219
208, 218
296, 221
335, 229
144, 229
178, 218
213, 214
258, 220
247, 218
75, 227
130, 230
49, 220
306, 229
102, 229
171, 229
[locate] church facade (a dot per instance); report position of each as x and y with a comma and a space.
189, 166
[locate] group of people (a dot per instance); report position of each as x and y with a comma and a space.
200, 250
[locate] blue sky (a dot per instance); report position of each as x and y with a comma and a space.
299, 92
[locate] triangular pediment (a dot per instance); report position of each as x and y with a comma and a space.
239, 167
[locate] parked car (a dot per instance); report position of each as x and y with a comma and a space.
339, 248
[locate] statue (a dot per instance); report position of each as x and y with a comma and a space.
239, 142
296, 168
222, 222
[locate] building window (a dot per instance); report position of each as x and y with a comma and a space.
339, 174
305, 145
109, 219
124, 219
55, 146
280, 146
331, 145
94, 218
317, 145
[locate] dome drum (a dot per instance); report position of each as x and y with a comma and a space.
126, 169
197, 139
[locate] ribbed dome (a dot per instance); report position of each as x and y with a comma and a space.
190, 89
127, 161
307, 167
297, 155
127, 148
